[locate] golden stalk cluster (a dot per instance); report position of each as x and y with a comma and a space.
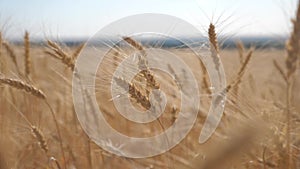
134, 92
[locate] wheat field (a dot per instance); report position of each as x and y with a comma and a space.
39, 127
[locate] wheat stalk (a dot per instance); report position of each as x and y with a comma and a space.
240, 73
291, 61
27, 55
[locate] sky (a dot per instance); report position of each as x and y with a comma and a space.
83, 18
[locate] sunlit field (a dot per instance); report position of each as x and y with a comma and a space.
259, 129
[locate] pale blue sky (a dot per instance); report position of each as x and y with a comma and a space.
83, 18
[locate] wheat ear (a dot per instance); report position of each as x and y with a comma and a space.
240, 73
59, 53
214, 46
280, 70
134, 43
293, 44
1, 61
38, 93
23, 86
40, 138
12, 55
213, 37
241, 49
143, 64
27, 55
134, 92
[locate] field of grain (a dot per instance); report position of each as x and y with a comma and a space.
39, 127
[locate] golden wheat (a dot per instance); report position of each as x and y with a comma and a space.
78, 50
12, 55
292, 46
214, 46
237, 80
134, 43
143, 64
15, 83
134, 92
1, 59
27, 55
241, 49
212, 35
60, 54
40, 138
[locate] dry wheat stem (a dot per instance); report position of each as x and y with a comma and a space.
58, 132
27, 55
240, 73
